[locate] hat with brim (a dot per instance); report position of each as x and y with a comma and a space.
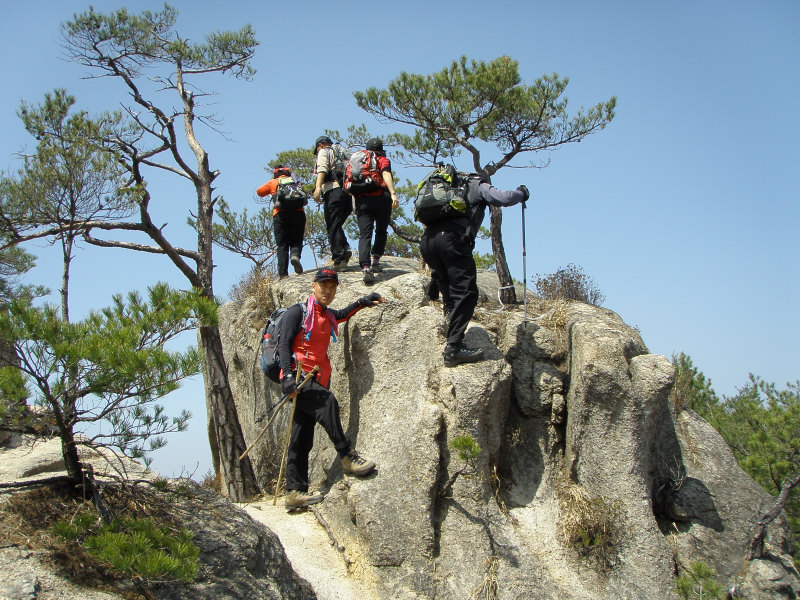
323, 139
325, 274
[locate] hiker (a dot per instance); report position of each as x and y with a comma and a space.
374, 203
305, 341
288, 217
446, 246
337, 204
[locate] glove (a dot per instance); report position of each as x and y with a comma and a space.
433, 289
369, 300
525, 192
288, 383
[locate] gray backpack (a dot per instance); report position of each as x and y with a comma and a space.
441, 195
340, 158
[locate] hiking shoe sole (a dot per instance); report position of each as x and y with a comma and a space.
298, 267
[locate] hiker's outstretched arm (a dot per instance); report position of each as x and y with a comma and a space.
351, 309
497, 197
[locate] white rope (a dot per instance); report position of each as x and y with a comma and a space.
507, 287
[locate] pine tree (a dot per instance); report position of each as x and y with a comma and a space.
149, 58
471, 104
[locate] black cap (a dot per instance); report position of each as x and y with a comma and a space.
326, 274
323, 139
375, 144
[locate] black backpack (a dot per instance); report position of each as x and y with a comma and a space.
270, 336
441, 195
290, 194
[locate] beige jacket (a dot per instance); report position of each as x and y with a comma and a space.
324, 165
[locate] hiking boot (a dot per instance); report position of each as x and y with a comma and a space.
296, 499
369, 277
456, 355
341, 265
295, 260
353, 464
376, 266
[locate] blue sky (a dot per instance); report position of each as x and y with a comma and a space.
684, 209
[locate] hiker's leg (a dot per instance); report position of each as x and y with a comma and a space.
297, 230
320, 403
281, 227
462, 285
365, 228
300, 443
338, 207
383, 214
435, 251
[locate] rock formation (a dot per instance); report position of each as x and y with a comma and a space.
589, 485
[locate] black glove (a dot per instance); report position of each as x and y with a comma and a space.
288, 383
525, 192
369, 300
433, 289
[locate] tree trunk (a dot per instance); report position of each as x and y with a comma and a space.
508, 294
238, 476
757, 543
68, 448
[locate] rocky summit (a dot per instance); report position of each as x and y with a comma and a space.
589, 483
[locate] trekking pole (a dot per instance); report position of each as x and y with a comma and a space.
288, 435
524, 268
276, 408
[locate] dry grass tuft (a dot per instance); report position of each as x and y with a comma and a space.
554, 314
487, 589
256, 283
590, 525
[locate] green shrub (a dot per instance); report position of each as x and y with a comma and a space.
698, 582
135, 547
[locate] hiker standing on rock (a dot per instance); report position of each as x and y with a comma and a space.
446, 246
288, 217
303, 340
338, 205
375, 197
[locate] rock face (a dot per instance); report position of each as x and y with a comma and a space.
572, 415
238, 557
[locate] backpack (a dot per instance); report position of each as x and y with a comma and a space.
270, 336
441, 195
363, 174
290, 194
339, 159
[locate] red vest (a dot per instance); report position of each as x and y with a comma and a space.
313, 351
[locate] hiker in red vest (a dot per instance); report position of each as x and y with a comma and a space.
303, 343
375, 200
288, 217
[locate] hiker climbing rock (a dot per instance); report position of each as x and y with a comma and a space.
303, 343
288, 217
369, 180
337, 205
452, 206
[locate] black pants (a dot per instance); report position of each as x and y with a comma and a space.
315, 404
338, 206
450, 256
289, 226
372, 212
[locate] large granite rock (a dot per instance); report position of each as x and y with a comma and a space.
576, 409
